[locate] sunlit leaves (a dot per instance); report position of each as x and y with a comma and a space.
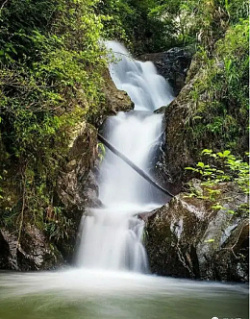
223, 168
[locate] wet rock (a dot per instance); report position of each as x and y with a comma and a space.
179, 149
172, 65
189, 122
187, 238
114, 101
33, 252
76, 180
8, 246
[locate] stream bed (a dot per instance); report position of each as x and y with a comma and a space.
98, 294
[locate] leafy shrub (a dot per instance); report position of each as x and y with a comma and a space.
220, 167
51, 68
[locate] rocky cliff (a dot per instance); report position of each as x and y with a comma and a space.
188, 237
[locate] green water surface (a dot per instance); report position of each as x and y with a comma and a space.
106, 295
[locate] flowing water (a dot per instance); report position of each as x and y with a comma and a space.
111, 281
111, 237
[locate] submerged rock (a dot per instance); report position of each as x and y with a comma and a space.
187, 238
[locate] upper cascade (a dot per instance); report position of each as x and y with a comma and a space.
147, 89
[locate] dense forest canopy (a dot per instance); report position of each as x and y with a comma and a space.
52, 66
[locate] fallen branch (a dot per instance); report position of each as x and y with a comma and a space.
3, 5
133, 166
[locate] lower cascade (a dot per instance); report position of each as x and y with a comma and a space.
111, 237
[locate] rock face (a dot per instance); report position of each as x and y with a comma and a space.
193, 122
34, 252
77, 185
187, 238
170, 169
72, 183
115, 101
177, 138
180, 148
172, 65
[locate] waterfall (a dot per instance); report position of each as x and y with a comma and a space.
111, 237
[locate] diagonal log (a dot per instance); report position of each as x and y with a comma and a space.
133, 166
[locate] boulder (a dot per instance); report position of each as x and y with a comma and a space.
188, 238
33, 252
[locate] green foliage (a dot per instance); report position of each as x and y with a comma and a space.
220, 93
51, 65
220, 167
205, 21
149, 25
59, 229
101, 151
156, 25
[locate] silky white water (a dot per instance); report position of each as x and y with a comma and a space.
112, 236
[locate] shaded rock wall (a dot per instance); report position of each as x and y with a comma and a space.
179, 149
195, 121
114, 101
